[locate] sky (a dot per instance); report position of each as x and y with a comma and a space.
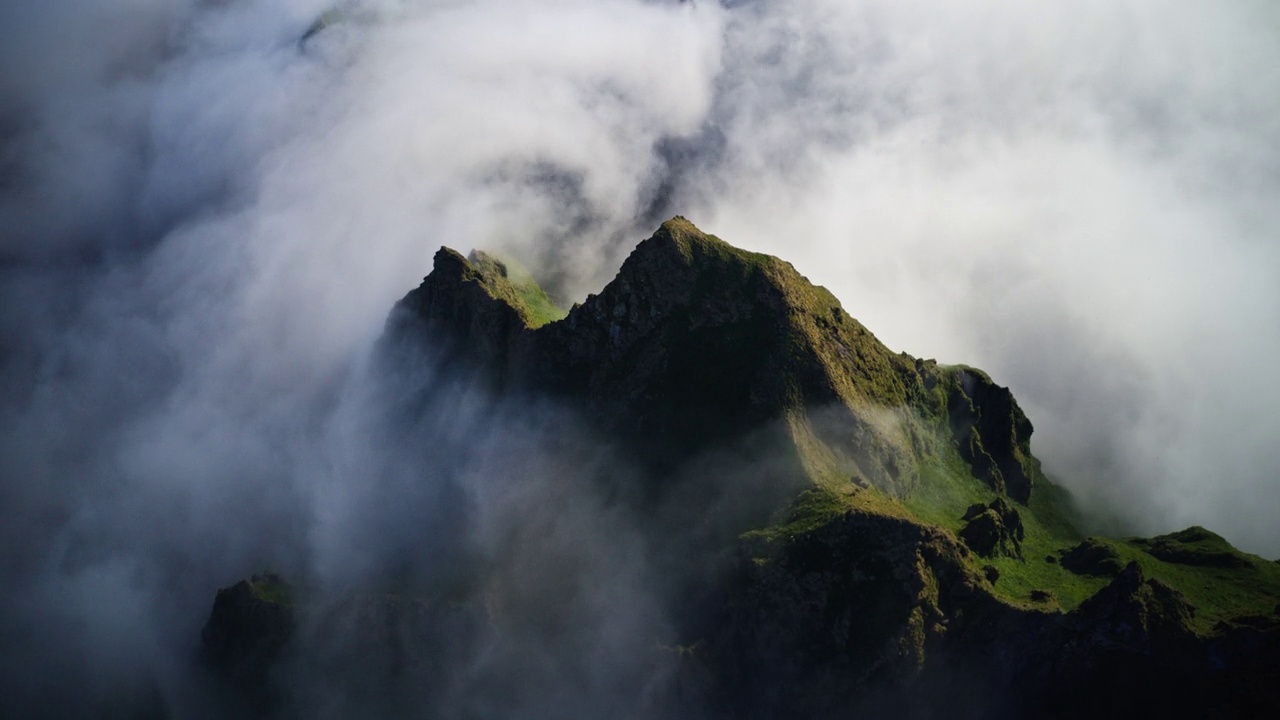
208, 208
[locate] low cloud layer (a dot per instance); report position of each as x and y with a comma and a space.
208, 208
1077, 198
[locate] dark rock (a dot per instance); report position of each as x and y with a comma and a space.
994, 529
249, 629
838, 610
991, 573
1139, 611
992, 434
1129, 650
1092, 557
369, 651
1041, 596
1051, 559
695, 343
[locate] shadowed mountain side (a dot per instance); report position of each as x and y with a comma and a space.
827, 526
696, 343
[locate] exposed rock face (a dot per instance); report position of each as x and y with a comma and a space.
1131, 646
826, 598
887, 619
993, 433
469, 311
816, 618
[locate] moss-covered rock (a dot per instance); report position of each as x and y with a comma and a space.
1092, 556
994, 529
1137, 609
992, 433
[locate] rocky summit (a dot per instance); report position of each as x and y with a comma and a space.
892, 548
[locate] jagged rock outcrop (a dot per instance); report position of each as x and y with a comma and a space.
470, 310
1133, 647
882, 617
815, 619
992, 433
994, 529
1139, 613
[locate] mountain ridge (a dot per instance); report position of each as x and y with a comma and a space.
746, 334
895, 532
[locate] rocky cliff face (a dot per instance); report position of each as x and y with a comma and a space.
900, 551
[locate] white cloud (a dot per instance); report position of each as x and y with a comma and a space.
206, 221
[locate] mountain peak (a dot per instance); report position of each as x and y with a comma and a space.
696, 342
681, 234
831, 521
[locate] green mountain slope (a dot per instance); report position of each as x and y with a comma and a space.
894, 540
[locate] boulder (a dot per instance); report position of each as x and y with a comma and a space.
1092, 557
994, 529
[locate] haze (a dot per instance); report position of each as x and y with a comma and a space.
207, 211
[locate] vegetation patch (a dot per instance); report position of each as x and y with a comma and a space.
272, 588
510, 282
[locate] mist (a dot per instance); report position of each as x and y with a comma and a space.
208, 209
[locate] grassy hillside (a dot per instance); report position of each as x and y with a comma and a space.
697, 342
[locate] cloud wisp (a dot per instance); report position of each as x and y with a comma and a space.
208, 208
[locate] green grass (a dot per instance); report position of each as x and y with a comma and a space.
823, 342
509, 281
271, 588
1051, 530
537, 307
867, 376
947, 488
1019, 578
811, 510
1194, 546
1219, 593
540, 309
